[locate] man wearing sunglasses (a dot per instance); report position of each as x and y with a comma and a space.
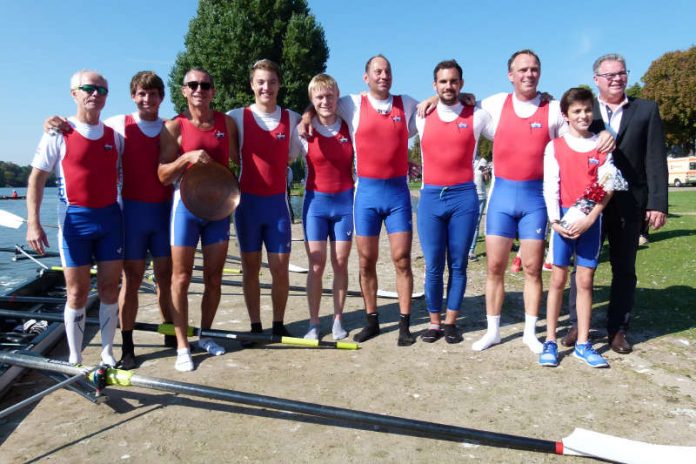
197, 136
146, 205
85, 161
267, 145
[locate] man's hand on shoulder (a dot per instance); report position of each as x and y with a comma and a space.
545, 97
55, 125
426, 107
304, 128
467, 99
606, 142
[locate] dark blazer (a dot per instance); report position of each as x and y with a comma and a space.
641, 156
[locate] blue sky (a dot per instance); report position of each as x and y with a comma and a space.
44, 42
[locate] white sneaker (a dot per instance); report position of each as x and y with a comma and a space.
338, 332
211, 347
184, 362
312, 333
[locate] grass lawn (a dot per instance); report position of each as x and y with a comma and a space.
665, 295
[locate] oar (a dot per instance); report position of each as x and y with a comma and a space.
13, 221
92, 271
297, 269
168, 329
31, 299
227, 270
20, 252
579, 443
393, 295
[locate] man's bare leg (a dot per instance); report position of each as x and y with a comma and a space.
162, 268
368, 253
316, 253
182, 268
278, 265
340, 252
497, 253
77, 283
532, 261
133, 271
400, 244
251, 265
108, 277
214, 256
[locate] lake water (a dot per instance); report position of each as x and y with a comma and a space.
13, 273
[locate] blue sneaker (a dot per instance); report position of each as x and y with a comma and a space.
585, 352
549, 354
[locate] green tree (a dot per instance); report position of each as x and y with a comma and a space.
485, 148
227, 36
671, 82
635, 91
414, 151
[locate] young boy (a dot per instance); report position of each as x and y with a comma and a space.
571, 164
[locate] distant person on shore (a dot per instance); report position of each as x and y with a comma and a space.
15, 194
482, 175
267, 146
327, 211
146, 206
197, 136
85, 161
448, 206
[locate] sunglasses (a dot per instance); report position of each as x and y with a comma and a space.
90, 89
193, 85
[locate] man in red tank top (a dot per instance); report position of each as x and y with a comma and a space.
267, 144
180, 141
86, 164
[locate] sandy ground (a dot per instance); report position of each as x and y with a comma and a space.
649, 395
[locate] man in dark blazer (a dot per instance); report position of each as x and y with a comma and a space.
641, 156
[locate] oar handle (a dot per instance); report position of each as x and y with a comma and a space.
168, 329
317, 343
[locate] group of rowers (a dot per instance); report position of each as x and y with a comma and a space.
120, 198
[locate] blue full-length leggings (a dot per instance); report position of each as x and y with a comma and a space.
446, 218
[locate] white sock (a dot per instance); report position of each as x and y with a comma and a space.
210, 346
529, 338
492, 335
184, 362
338, 332
74, 320
108, 320
313, 332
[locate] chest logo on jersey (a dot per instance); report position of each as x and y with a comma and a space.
396, 118
219, 134
108, 147
343, 139
280, 136
462, 125
536, 125
593, 160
